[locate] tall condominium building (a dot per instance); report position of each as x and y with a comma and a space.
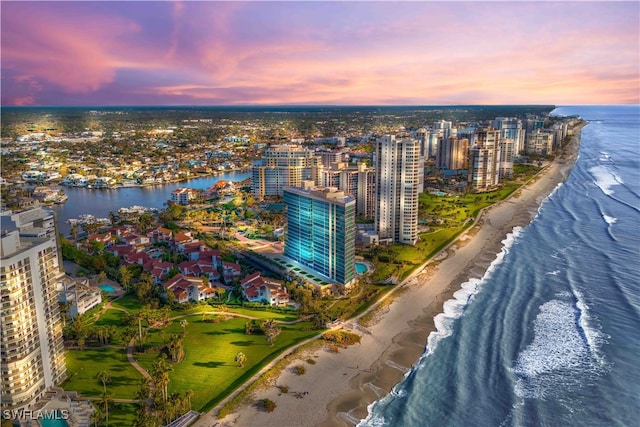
284, 166
358, 181
540, 142
511, 128
452, 154
484, 158
31, 347
321, 231
507, 154
397, 165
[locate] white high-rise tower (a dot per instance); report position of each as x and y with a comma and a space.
31, 347
397, 168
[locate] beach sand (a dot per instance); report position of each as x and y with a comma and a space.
336, 390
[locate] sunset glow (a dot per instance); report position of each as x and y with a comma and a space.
400, 53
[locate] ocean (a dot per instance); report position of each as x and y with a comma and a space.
550, 335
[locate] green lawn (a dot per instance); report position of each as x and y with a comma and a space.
111, 317
128, 302
82, 367
122, 414
209, 368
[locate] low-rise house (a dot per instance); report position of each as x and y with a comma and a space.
138, 241
212, 255
230, 271
256, 288
160, 234
181, 239
159, 270
192, 249
183, 196
77, 295
105, 238
189, 288
199, 268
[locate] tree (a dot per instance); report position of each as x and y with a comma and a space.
102, 276
143, 287
96, 416
271, 330
125, 277
80, 329
175, 345
184, 324
160, 373
145, 221
240, 359
74, 231
105, 377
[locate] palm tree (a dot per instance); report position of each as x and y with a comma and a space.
105, 377
74, 231
96, 416
80, 328
125, 277
160, 372
175, 345
184, 324
240, 359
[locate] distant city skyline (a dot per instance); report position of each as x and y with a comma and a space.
319, 53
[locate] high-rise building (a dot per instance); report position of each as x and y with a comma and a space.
321, 231
484, 158
452, 154
31, 347
358, 181
397, 165
540, 142
284, 166
507, 154
511, 128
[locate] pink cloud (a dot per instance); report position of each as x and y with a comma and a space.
351, 53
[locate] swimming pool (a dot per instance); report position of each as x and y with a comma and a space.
107, 288
361, 268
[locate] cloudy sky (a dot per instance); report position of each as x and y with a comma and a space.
394, 53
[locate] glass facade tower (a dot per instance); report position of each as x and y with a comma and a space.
321, 231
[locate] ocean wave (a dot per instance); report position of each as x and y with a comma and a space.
564, 349
605, 178
454, 308
609, 219
373, 419
553, 273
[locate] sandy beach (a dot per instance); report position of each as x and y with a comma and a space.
336, 390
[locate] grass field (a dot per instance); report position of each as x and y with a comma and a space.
83, 366
208, 368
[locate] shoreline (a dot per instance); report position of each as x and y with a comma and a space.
339, 387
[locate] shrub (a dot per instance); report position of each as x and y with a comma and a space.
283, 388
266, 405
311, 361
299, 370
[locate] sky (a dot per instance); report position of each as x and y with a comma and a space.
321, 53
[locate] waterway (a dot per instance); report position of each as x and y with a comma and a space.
100, 202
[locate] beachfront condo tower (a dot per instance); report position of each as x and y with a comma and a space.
320, 231
31, 348
284, 166
484, 159
358, 181
452, 154
397, 167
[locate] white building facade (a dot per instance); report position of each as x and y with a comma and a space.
397, 168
